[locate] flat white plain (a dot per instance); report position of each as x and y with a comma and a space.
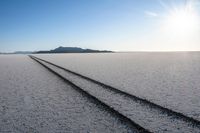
34, 100
170, 79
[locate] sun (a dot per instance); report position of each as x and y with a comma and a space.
182, 20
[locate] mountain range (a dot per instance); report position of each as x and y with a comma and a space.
72, 50
62, 50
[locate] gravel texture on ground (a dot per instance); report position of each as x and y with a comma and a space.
170, 79
148, 116
34, 100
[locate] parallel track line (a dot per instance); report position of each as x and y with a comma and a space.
87, 94
144, 101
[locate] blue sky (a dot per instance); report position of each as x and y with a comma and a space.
122, 25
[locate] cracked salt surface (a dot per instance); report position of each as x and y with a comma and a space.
148, 117
34, 100
168, 79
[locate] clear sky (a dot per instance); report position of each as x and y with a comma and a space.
122, 25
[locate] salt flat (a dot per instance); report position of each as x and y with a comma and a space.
170, 79
152, 117
34, 100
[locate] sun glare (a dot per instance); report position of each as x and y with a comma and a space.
182, 21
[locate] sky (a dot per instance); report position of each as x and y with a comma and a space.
119, 25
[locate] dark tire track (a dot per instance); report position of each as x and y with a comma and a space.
98, 102
32, 99
153, 105
151, 116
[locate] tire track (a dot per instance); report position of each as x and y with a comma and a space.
160, 119
108, 108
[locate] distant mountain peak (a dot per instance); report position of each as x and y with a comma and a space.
62, 49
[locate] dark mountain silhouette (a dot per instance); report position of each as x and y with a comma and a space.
62, 50
73, 50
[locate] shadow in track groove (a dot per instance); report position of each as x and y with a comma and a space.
108, 108
170, 112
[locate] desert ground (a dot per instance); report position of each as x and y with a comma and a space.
104, 92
